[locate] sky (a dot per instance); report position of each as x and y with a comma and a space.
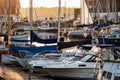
50, 3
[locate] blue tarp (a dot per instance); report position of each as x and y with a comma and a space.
32, 49
35, 38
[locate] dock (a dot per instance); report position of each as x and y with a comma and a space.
17, 73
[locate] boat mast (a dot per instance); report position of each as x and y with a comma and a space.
84, 10
88, 12
9, 23
93, 11
98, 11
58, 34
65, 17
30, 17
108, 10
6, 11
59, 10
113, 10
115, 13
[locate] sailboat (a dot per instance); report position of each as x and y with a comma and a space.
35, 38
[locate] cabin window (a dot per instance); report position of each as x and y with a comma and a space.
117, 78
77, 58
50, 24
107, 75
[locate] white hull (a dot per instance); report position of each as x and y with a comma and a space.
41, 71
8, 59
46, 28
69, 70
23, 62
76, 32
71, 73
20, 37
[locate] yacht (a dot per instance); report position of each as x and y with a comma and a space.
71, 54
74, 67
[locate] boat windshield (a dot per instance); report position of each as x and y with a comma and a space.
51, 56
75, 58
87, 57
93, 52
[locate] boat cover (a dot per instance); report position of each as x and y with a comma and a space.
35, 38
20, 50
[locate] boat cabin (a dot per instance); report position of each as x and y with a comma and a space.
111, 71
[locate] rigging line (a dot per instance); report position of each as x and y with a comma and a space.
113, 10
96, 64
101, 7
35, 12
93, 9
84, 10
97, 6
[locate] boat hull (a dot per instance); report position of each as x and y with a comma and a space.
41, 71
71, 73
8, 59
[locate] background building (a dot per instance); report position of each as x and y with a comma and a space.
14, 7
